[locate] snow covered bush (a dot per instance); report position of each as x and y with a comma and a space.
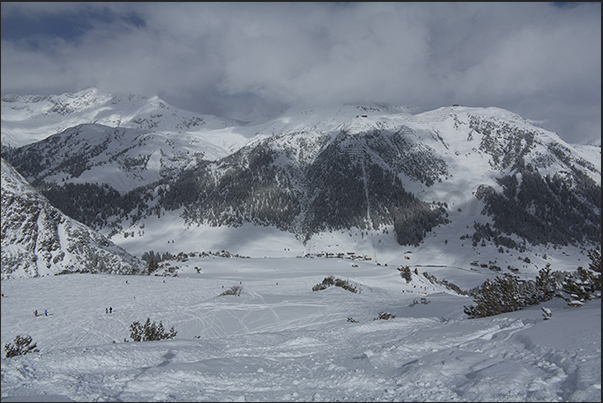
234, 290
510, 293
326, 282
451, 286
150, 331
345, 284
406, 274
385, 316
337, 282
22, 346
595, 263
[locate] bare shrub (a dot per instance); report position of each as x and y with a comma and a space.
385, 316
22, 346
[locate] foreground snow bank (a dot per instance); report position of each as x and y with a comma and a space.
281, 341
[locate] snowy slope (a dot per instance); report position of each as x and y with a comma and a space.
281, 341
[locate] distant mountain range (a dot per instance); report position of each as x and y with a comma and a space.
484, 177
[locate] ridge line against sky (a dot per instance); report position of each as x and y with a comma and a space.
247, 60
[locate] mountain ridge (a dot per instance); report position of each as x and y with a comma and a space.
360, 169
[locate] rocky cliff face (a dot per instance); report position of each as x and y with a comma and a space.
38, 240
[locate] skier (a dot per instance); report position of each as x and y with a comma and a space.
36, 313
110, 310
45, 312
106, 310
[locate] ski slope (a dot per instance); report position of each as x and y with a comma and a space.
281, 341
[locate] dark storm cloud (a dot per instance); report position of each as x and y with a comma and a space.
537, 59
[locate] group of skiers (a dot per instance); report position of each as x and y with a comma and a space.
45, 312
107, 310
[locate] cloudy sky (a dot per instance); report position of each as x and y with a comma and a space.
540, 60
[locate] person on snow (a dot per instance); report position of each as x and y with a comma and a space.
110, 310
106, 310
45, 312
36, 312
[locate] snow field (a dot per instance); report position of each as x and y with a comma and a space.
285, 342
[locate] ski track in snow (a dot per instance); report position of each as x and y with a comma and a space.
285, 342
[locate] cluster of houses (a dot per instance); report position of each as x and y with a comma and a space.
339, 255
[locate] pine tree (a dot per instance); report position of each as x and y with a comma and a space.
150, 331
152, 266
583, 284
575, 289
406, 274
545, 285
497, 296
595, 266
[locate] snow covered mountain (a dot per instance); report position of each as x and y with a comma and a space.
39, 240
28, 119
455, 185
34, 117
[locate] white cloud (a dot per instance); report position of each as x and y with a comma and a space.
207, 55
